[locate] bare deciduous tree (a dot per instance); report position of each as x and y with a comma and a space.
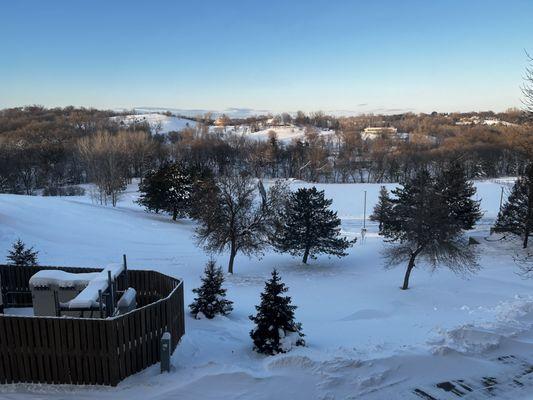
106, 158
237, 218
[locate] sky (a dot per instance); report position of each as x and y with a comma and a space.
381, 56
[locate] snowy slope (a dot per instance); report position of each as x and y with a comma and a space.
284, 133
366, 338
159, 123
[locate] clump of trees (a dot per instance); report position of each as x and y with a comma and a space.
48, 148
210, 297
22, 256
275, 329
168, 188
427, 218
113, 159
308, 227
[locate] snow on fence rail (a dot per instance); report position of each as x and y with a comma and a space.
87, 351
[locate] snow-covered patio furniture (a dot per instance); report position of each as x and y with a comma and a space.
88, 351
50, 286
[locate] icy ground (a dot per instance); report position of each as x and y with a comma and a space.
446, 336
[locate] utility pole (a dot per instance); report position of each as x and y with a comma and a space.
363, 231
364, 213
501, 200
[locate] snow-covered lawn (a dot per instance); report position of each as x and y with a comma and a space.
366, 338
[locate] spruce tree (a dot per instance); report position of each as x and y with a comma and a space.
516, 215
19, 255
382, 208
457, 192
427, 219
309, 227
275, 329
179, 191
169, 189
153, 190
210, 300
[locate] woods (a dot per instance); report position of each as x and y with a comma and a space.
52, 148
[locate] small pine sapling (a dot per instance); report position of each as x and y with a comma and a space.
20, 256
211, 296
275, 329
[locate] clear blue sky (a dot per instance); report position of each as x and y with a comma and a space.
448, 55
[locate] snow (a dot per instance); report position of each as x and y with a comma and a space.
51, 277
283, 133
159, 123
127, 298
365, 337
88, 297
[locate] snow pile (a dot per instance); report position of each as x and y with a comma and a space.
62, 279
88, 297
511, 319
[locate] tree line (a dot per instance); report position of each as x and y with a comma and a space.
52, 149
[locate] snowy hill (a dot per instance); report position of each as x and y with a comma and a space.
366, 338
159, 123
283, 133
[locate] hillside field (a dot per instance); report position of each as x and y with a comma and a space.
366, 338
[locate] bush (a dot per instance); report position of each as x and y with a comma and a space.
71, 190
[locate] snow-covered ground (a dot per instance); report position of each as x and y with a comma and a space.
283, 133
162, 124
159, 123
366, 337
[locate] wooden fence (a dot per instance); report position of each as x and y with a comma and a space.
82, 350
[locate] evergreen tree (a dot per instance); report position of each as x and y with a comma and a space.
168, 188
382, 208
210, 299
309, 227
427, 219
457, 192
516, 215
19, 255
153, 190
275, 329
179, 191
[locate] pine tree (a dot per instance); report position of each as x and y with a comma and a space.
516, 215
427, 219
19, 255
179, 192
153, 189
309, 227
210, 300
382, 208
167, 189
457, 192
275, 329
